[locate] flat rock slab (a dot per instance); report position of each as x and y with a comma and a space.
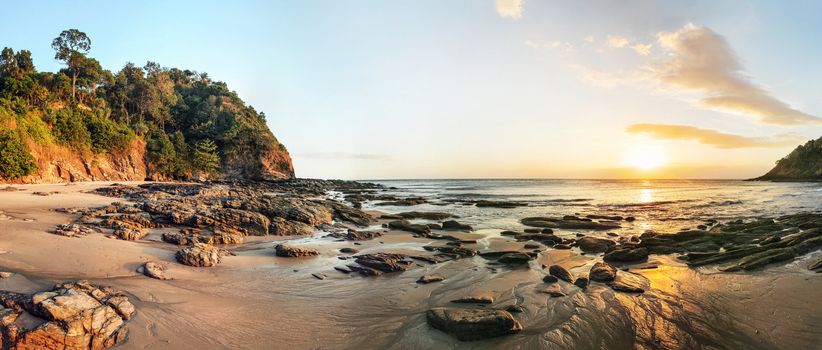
473, 324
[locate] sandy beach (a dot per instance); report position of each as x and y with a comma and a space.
256, 300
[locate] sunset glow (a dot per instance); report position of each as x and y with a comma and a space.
645, 156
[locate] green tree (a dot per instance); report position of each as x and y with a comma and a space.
15, 159
205, 156
162, 154
71, 46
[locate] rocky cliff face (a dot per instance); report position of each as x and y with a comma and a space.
804, 163
58, 164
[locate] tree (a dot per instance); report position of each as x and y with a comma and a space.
205, 157
71, 47
15, 159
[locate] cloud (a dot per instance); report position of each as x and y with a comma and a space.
642, 49
713, 137
589, 39
555, 45
616, 41
702, 61
509, 8
344, 155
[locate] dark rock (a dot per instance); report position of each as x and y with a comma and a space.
473, 324
595, 245
602, 272
514, 309
569, 223
626, 255
348, 250
561, 273
622, 286
816, 265
384, 262
514, 258
456, 226
581, 282
482, 298
319, 276
428, 215
287, 251
404, 225
550, 279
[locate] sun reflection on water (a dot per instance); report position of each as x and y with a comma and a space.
646, 195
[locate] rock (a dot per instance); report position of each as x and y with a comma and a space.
499, 204
428, 215
353, 235
622, 286
130, 234
581, 282
595, 245
532, 246
630, 219
318, 276
473, 324
626, 255
560, 273
553, 290
155, 270
189, 236
569, 223
514, 258
605, 217
407, 202
602, 272
479, 298
285, 227
5, 274
200, 255
365, 271
816, 265
430, 278
562, 246
75, 316
72, 230
550, 279
405, 225
515, 309
384, 262
453, 225
287, 251
348, 250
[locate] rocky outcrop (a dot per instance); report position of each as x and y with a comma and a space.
570, 223
200, 255
76, 316
473, 324
803, 163
287, 251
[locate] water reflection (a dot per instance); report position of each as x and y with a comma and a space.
646, 195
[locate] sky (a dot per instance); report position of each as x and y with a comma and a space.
483, 88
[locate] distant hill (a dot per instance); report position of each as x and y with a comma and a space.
803, 164
87, 123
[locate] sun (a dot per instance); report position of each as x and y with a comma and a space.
645, 156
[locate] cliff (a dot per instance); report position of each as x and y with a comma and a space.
803, 164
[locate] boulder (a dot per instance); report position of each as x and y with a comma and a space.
155, 270
627, 255
560, 273
405, 225
200, 255
430, 279
569, 223
553, 290
288, 251
453, 225
75, 316
472, 324
285, 227
595, 245
385, 262
581, 282
428, 215
602, 272
516, 258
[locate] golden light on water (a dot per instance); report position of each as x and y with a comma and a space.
645, 156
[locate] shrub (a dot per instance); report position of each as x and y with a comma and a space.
69, 129
107, 135
205, 157
35, 128
15, 159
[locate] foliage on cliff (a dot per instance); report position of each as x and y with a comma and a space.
803, 163
191, 124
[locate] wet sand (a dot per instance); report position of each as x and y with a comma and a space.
256, 300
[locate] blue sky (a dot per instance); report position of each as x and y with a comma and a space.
433, 89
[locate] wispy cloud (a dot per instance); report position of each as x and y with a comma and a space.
713, 137
510, 8
556, 45
344, 155
642, 49
616, 41
702, 61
